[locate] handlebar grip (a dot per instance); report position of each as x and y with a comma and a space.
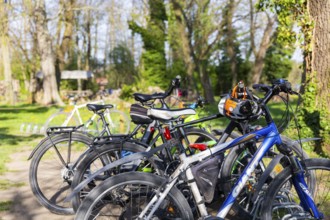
284, 85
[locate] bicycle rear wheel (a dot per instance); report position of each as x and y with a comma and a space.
50, 178
282, 202
124, 196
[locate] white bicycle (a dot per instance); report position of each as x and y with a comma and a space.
118, 121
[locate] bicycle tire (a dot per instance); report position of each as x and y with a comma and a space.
280, 187
174, 204
119, 122
42, 184
57, 119
93, 162
235, 161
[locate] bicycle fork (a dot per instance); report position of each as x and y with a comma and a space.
306, 198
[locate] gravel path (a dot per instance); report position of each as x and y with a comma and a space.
25, 205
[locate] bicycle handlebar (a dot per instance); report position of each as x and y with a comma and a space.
279, 85
175, 83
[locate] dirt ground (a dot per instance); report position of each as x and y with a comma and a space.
25, 205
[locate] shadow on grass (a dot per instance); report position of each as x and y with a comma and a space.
26, 108
6, 118
9, 139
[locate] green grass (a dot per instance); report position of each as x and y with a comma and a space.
5, 205
6, 184
12, 139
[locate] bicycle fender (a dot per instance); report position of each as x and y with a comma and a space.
38, 146
127, 159
266, 174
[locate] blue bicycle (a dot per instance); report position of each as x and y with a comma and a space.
137, 195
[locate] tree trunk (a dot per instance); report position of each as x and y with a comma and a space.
318, 72
47, 59
320, 14
206, 83
4, 45
184, 38
66, 42
89, 41
230, 44
261, 53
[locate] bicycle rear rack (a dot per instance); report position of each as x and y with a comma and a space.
62, 129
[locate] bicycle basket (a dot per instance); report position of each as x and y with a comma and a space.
139, 114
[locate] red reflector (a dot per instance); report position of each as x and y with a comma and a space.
198, 146
167, 133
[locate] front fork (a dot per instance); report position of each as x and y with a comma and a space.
306, 198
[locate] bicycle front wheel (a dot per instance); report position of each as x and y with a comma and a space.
125, 196
233, 166
104, 155
282, 202
52, 169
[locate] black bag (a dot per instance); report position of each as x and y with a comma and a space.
206, 176
139, 114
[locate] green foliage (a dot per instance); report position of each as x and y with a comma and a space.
278, 62
313, 120
224, 76
127, 91
153, 36
123, 70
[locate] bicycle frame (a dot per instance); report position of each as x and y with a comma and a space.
76, 110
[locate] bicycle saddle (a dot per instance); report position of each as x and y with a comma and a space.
144, 98
95, 108
166, 114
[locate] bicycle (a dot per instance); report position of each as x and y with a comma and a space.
145, 196
119, 122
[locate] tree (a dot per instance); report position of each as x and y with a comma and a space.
318, 70
153, 36
278, 62
259, 52
66, 41
4, 45
313, 19
200, 37
46, 52
123, 67
230, 37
